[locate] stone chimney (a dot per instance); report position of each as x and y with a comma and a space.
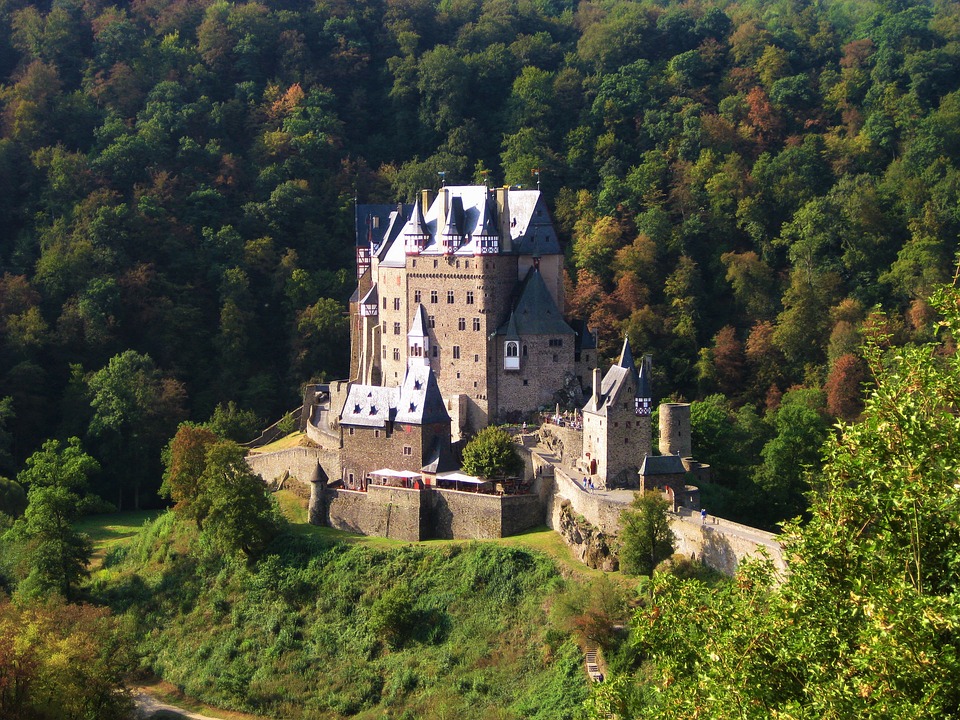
426, 200
444, 207
596, 387
502, 195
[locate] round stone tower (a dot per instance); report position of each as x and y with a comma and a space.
675, 429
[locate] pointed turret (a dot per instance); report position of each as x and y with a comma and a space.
626, 357
644, 400
487, 239
418, 339
415, 233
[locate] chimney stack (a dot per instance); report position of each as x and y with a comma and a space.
596, 387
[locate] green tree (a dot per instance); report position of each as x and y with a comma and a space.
490, 453
135, 411
645, 535
865, 624
57, 465
241, 516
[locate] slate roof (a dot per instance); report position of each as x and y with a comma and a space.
644, 389
439, 458
614, 381
418, 328
373, 222
420, 401
369, 405
471, 214
417, 402
371, 297
586, 340
535, 312
662, 465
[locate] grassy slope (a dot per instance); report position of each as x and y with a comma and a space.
307, 632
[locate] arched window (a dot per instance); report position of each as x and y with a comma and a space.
511, 355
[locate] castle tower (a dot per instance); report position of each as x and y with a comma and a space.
675, 430
616, 423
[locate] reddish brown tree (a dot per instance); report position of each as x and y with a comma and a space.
844, 387
728, 360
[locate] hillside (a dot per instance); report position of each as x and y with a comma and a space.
320, 628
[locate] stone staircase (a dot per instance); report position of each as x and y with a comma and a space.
593, 668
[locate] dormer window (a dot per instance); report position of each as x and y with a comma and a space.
373, 409
416, 385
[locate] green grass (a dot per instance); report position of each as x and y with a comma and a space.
112, 529
287, 441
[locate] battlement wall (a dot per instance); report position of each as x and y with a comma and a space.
396, 513
300, 462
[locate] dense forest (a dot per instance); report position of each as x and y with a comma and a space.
739, 184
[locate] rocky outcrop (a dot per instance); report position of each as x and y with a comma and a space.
588, 542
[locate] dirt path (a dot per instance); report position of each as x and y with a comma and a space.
150, 706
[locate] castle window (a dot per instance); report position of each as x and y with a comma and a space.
526, 382
433, 295
414, 262
396, 353
469, 297
476, 358
384, 303
616, 424
462, 324
627, 423
458, 376
407, 450
434, 263
476, 323
524, 350
458, 264
384, 327
626, 440
431, 320
350, 477
352, 430
376, 433
396, 328
384, 352
449, 297
396, 303
511, 353
416, 296
456, 353
555, 357
436, 352
467, 264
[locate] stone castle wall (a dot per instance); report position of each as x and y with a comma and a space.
675, 429
299, 462
388, 512
423, 514
540, 377
722, 546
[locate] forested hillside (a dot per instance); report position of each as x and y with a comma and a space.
738, 183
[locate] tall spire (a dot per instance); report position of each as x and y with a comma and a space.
418, 339
626, 357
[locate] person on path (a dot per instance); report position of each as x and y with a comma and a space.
703, 517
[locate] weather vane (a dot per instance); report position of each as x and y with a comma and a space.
443, 177
536, 171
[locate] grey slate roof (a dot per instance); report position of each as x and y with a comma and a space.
530, 225
535, 312
662, 465
371, 297
614, 381
418, 328
472, 214
644, 389
369, 405
439, 458
420, 401
417, 402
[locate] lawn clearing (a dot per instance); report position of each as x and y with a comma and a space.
111, 529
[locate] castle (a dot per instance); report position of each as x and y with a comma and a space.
457, 322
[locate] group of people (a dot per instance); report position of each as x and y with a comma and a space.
587, 484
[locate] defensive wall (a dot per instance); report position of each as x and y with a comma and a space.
405, 514
450, 514
718, 543
297, 462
